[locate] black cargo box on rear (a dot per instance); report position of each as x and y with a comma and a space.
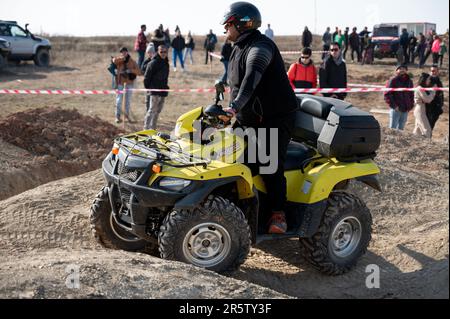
336, 128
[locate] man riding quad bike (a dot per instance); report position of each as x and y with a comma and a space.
189, 196
198, 196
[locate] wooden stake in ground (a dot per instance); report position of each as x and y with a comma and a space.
124, 101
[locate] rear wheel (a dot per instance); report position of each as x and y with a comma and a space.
42, 58
343, 236
215, 236
108, 232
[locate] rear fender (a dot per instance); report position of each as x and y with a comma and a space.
318, 182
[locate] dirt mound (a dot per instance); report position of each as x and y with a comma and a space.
118, 274
62, 134
44, 230
410, 239
42, 145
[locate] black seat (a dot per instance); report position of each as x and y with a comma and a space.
297, 153
316, 106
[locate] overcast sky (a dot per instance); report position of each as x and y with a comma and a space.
288, 17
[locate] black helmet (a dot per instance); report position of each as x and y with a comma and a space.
245, 16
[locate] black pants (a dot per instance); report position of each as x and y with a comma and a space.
326, 48
208, 56
435, 58
358, 54
276, 182
405, 54
433, 116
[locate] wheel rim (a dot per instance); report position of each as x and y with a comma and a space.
121, 233
346, 237
206, 245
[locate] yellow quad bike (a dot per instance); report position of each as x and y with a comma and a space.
164, 192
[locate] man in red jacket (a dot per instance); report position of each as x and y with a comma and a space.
303, 74
140, 45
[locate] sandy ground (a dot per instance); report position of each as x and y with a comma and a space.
46, 228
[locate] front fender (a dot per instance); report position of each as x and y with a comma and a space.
217, 174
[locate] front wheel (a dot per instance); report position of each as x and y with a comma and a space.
106, 230
215, 236
343, 236
42, 58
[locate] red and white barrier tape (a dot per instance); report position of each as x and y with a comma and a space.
215, 55
300, 52
365, 90
365, 85
100, 92
211, 90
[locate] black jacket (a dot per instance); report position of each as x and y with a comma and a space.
157, 75
333, 75
178, 43
227, 48
210, 42
436, 106
355, 42
158, 39
259, 83
307, 39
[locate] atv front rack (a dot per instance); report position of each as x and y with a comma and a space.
150, 148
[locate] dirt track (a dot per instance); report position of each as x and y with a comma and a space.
47, 228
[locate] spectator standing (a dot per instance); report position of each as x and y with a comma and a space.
339, 38
326, 40
151, 52
210, 45
227, 49
127, 71
269, 33
303, 74
400, 103
362, 35
368, 50
421, 48
335, 33
167, 40
435, 109
333, 72
355, 45
435, 49
140, 45
442, 53
158, 37
307, 38
413, 41
404, 43
421, 98
429, 46
346, 41
178, 45
190, 47
156, 77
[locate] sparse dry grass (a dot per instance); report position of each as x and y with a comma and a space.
80, 63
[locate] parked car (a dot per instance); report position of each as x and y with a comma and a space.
5, 50
24, 45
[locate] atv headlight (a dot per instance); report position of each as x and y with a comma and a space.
174, 184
